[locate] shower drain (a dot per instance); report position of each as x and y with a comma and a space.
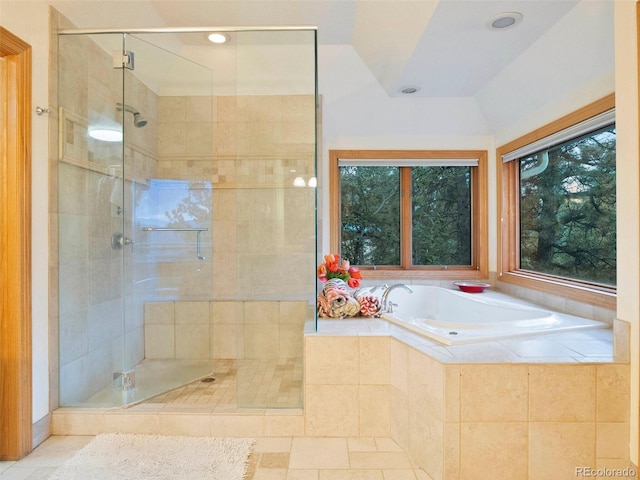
208, 380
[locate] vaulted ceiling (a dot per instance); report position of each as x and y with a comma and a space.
445, 48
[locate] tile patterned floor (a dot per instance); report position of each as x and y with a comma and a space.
257, 383
282, 458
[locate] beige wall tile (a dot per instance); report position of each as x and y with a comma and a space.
200, 109
174, 108
331, 360
375, 360
493, 450
621, 340
627, 470
261, 313
399, 366
226, 312
159, 341
493, 393
199, 138
290, 341
556, 449
293, 312
284, 425
224, 341
172, 138
613, 393
375, 410
331, 410
612, 440
192, 341
236, 425
426, 441
261, 341
143, 423
192, 313
74, 424
399, 418
451, 451
562, 393
452, 393
426, 383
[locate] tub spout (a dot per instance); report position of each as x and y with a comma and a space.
387, 306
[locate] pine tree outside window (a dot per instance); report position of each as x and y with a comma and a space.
411, 213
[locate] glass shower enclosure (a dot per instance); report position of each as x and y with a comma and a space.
186, 213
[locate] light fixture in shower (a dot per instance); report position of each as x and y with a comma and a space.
138, 120
218, 37
105, 134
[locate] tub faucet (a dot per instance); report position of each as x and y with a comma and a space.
382, 286
387, 306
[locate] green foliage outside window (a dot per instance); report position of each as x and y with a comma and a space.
568, 209
440, 215
370, 215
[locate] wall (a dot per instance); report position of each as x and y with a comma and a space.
262, 228
225, 329
30, 22
628, 188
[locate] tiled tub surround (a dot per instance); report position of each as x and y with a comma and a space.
519, 409
525, 408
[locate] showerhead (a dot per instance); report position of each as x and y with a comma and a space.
138, 120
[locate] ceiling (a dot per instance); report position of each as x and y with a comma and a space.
445, 48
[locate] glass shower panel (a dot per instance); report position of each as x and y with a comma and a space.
273, 228
135, 219
90, 217
168, 159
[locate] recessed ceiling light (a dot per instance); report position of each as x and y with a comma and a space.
218, 37
505, 20
409, 89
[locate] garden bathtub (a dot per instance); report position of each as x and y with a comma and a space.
452, 317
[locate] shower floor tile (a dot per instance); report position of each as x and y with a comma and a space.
247, 383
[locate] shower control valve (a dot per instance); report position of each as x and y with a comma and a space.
118, 240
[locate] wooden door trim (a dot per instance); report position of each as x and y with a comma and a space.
15, 248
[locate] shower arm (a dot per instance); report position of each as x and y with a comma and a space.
126, 108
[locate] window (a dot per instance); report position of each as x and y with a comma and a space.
411, 213
559, 206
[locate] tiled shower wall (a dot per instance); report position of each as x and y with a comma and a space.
224, 329
250, 148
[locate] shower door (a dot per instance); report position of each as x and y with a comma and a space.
110, 92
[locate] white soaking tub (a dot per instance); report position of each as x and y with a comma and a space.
453, 317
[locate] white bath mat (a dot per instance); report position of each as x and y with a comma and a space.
118, 456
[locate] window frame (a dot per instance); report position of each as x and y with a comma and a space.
479, 269
508, 181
